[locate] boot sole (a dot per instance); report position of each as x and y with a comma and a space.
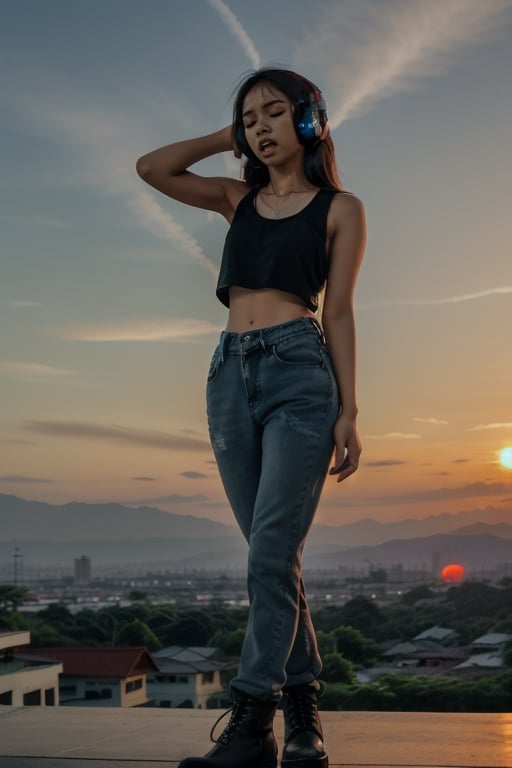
306, 762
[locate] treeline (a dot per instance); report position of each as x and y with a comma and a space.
350, 639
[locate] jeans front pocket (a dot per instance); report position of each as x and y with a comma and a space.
302, 350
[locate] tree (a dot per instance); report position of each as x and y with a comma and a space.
337, 669
421, 592
230, 643
363, 614
11, 597
138, 633
354, 645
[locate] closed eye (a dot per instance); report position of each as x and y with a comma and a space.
272, 114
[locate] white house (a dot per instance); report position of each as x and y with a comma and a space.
186, 677
25, 682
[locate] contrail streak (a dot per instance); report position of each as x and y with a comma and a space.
237, 30
369, 51
499, 291
111, 164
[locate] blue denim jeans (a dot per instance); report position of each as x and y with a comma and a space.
272, 402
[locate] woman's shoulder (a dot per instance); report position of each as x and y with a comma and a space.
346, 213
345, 203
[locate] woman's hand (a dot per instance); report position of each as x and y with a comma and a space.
348, 448
228, 133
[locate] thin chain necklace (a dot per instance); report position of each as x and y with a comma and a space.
287, 209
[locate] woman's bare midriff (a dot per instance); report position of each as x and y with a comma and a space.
251, 309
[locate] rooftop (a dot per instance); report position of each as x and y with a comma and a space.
58, 737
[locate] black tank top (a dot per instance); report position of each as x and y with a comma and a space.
288, 254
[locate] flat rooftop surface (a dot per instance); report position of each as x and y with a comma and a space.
108, 737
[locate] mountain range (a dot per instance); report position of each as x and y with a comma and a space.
115, 533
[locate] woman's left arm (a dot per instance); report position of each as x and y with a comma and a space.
347, 229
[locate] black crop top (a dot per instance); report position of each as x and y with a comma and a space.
288, 254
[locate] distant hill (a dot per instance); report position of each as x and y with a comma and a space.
21, 519
146, 536
476, 552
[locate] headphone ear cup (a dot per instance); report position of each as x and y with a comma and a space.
310, 118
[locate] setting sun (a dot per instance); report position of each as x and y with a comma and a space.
506, 457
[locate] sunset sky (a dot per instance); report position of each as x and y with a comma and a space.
108, 314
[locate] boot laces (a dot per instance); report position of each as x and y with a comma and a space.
235, 712
302, 712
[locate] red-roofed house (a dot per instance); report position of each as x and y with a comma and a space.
106, 677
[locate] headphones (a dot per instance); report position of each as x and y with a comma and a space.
309, 119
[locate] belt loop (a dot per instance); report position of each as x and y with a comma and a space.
222, 345
262, 342
319, 328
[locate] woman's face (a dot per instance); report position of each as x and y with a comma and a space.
267, 116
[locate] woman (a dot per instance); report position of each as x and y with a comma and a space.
280, 394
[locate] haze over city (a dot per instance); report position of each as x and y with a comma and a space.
108, 314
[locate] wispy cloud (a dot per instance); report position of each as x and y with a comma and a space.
125, 435
469, 491
23, 304
371, 51
25, 479
385, 463
492, 425
28, 371
429, 420
395, 436
144, 479
237, 30
192, 475
457, 299
172, 329
109, 159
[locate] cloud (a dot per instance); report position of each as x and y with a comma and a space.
471, 490
124, 435
172, 329
492, 425
385, 463
429, 420
384, 49
144, 479
499, 291
173, 498
23, 304
460, 461
14, 370
108, 163
25, 479
396, 436
193, 475
237, 30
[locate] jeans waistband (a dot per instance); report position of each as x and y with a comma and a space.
260, 338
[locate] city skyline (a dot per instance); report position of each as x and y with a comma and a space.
108, 315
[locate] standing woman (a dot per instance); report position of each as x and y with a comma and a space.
281, 393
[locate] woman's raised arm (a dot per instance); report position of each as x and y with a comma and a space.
166, 169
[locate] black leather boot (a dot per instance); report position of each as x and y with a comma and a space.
303, 736
246, 742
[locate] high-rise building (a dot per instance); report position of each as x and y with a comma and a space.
82, 569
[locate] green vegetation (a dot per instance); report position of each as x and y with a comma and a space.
349, 638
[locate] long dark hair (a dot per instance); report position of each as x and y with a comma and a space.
319, 158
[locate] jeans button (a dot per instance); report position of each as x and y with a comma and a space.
246, 338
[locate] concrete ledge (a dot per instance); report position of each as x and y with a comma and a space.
79, 737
